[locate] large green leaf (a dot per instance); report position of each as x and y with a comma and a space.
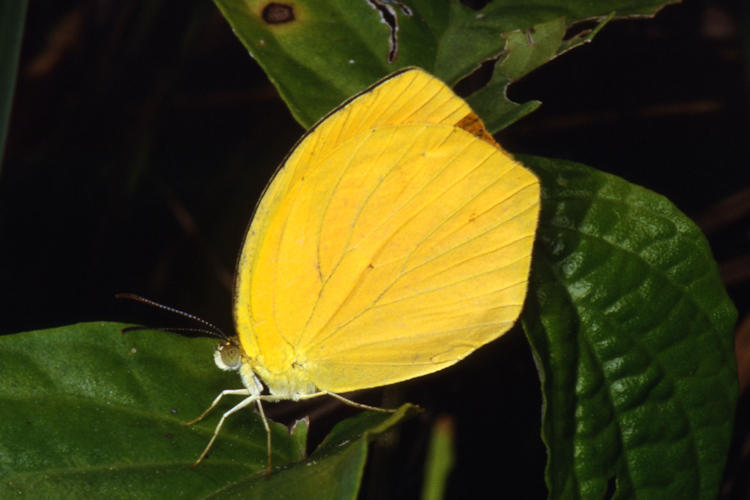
88, 411
319, 53
632, 331
12, 16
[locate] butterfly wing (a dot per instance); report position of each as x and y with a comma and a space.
386, 248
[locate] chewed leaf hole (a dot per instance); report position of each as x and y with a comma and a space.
389, 17
580, 30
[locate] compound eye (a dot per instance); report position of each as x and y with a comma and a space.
228, 357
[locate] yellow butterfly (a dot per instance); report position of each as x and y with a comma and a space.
393, 241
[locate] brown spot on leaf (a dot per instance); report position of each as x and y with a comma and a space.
278, 13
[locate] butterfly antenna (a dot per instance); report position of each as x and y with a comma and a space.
212, 329
197, 332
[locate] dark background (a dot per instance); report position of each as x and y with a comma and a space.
142, 135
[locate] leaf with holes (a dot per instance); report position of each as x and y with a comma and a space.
319, 53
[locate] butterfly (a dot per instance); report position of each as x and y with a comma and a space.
394, 240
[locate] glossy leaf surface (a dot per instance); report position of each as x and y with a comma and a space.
632, 331
89, 411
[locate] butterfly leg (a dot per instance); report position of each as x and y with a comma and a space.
228, 392
268, 435
358, 405
242, 404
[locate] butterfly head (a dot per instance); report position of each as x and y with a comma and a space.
228, 355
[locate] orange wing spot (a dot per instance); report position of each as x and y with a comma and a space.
474, 125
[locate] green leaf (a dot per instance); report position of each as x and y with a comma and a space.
319, 53
89, 411
631, 329
441, 456
525, 50
12, 15
334, 469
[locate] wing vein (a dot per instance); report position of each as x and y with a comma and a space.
351, 227
425, 335
423, 292
394, 232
